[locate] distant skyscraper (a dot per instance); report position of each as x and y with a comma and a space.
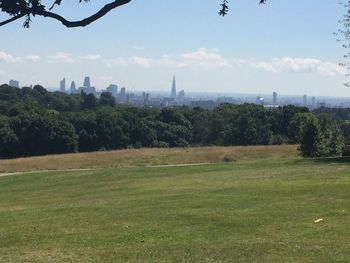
173, 89
87, 88
63, 85
73, 88
305, 100
14, 83
122, 95
274, 98
87, 82
122, 92
113, 89
181, 95
146, 97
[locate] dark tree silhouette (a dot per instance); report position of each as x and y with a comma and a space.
28, 8
31, 8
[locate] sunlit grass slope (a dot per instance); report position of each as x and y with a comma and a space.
244, 211
145, 157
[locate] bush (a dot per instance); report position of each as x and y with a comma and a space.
321, 137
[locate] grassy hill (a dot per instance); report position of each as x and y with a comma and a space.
259, 208
145, 157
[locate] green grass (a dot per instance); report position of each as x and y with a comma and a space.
244, 211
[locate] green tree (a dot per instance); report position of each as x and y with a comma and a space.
321, 137
8, 139
62, 137
110, 130
295, 125
43, 134
332, 142
106, 99
310, 137
89, 101
202, 129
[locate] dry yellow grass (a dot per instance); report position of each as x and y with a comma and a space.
145, 157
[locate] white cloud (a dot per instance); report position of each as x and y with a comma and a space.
31, 58
115, 61
4, 57
300, 65
61, 57
141, 61
91, 57
203, 59
129, 61
8, 58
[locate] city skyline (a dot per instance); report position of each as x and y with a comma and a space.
206, 100
231, 54
113, 87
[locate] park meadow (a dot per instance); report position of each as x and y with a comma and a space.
209, 204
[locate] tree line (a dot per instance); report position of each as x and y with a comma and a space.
35, 122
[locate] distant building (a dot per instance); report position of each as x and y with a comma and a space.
14, 83
260, 100
63, 85
122, 95
146, 97
113, 89
87, 88
274, 98
305, 100
173, 89
87, 83
73, 88
122, 92
181, 95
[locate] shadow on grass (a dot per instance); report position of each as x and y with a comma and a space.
341, 159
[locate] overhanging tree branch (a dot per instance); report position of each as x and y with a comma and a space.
21, 8
11, 19
81, 23
84, 22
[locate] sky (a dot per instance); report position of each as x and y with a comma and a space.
285, 46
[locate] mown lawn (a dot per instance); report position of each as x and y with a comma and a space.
242, 211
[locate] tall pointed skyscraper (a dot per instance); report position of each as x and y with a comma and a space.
173, 89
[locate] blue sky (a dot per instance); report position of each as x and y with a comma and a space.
285, 46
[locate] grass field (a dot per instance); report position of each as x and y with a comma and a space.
145, 157
258, 208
